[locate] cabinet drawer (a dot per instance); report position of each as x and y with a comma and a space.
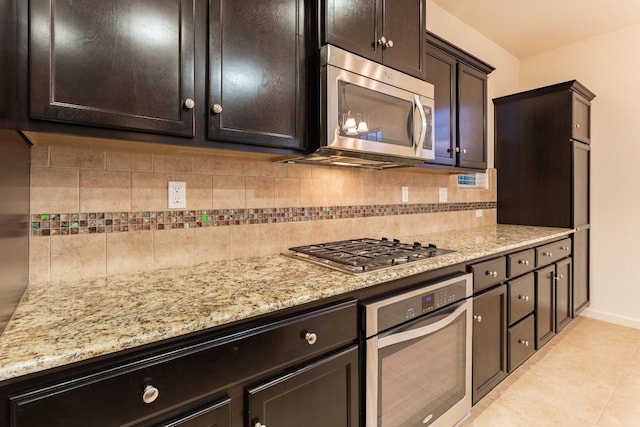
191, 374
521, 342
488, 273
552, 252
521, 262
521, 297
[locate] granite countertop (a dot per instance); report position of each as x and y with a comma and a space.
61, 323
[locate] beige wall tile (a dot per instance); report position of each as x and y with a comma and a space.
173, 248
244, 241
257, 168
129, 252
211, 244
77, 257
104, 191
172, 163
39, 155
76, 157
39, 257
149, 191
199, 190
229, 192
54, 190
260, 192
298, 171
140, 162
287, 192
273, 238
211, 165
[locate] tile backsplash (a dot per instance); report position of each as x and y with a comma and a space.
95, 211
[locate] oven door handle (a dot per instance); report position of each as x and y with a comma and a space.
392, 338
423, 123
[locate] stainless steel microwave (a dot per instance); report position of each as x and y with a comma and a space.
371, 115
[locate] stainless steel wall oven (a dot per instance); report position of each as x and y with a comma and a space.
418, 355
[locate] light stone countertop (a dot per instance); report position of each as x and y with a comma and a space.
61, 323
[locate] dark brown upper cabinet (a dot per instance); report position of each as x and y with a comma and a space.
257, 74
124, 65
460, 82
391, 32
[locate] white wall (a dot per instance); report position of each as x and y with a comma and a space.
607, 65
503, 81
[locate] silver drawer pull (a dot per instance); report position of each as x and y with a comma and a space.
523, 297
259, 424
564, 248
477, 318
150, 394
547, 254
523, 261
492, 273
560, 277
524, 342
311, 338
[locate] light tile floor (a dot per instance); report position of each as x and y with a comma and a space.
588, 375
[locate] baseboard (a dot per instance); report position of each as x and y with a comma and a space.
608, 317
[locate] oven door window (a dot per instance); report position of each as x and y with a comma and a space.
374, 116
420, 378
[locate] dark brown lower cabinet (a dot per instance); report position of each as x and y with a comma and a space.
489, 340
580, 270
553, 300
521, 338
214, 415
318, 395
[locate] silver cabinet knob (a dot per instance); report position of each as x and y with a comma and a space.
492, 273
578, 125
477, 318
524, 342
547, 254
311, 338
523, 297
189, 103
382, 41
150, 394
259, 424
560, 277
564, 248
464, 151
523, 261
216, 109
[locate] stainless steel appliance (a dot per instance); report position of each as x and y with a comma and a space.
418, 355
14, 222
371, 115
365, 255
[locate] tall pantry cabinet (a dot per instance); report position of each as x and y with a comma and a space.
543, 165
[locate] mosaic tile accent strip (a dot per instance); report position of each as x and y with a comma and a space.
52, 224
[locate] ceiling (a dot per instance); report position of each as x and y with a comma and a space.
526, 27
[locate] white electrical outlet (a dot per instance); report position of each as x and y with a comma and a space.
478, 213
442, 195
405, 194
177, 195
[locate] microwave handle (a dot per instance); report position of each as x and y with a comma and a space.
423, 122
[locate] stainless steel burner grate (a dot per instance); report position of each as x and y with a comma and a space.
365, 255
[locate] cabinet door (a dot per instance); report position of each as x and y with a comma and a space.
353, 26
123, 64
545, 305
580, 118
563, 293
580, 270
472, 106
404, 27
489, 340
320, 395
441, 72
581, 177
257, 72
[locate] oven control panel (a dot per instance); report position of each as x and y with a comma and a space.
398, 309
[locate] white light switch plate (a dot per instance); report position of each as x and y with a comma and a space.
177, 195
405, 194
442, 195
478, 213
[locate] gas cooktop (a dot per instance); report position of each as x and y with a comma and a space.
365, 255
